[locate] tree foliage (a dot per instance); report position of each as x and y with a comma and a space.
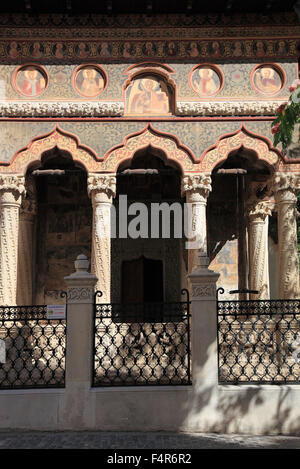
288, 115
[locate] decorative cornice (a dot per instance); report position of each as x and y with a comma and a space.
227, 108
103, 183
259, 20
61, 109
116, 108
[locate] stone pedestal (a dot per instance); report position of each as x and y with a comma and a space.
204, 327
102, 189
11, 190
80, 340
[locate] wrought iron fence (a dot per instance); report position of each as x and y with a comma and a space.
258, 341
142, 344
34, 348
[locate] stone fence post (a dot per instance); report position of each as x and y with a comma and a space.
204, 338
80, 300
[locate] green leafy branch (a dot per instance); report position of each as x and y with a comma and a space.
288, 115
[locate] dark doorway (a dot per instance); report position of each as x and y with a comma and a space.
142, 281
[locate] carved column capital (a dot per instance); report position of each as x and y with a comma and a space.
12, 188
101, 187
258, 210
198, 186
285, 187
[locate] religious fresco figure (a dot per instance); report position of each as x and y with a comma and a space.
237, 49
259, 49
171, 48
215, 50
193, 49
127, 50
36, 50
89, 82
82, 50
59, 50
148, 95
267, 80
205, 81
281, 48
149, 49
104, 50
14, 50
30, 81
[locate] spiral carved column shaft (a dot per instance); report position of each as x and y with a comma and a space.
26, 251
258, 213
11, 191
102, 189
285, 188
197, 188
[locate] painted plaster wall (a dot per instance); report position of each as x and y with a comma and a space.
238, 83
196, 135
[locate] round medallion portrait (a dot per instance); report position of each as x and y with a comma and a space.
30, 80
206, 80
267, 79
89, 81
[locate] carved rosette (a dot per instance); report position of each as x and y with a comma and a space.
79, 295
11, 190
286, 187
102, 188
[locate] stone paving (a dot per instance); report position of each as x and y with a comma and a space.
139, 440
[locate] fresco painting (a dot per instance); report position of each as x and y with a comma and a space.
206, 81
89, 81
267, 80
148, 95
31, 81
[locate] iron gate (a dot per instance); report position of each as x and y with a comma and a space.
258, 341
142, 343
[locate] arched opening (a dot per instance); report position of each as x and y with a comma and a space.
147, 267
63, 222
233, 183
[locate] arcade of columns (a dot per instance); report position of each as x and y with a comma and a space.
18, 212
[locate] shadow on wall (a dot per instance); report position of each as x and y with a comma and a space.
245, 409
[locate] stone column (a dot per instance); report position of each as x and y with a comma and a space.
197, 188
258, 222
286, 187
11, 190
26, 246
102, 189
77, 407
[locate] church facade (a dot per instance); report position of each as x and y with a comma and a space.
173, 109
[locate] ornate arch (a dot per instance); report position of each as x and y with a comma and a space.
242, 138
150, 137
56, 138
